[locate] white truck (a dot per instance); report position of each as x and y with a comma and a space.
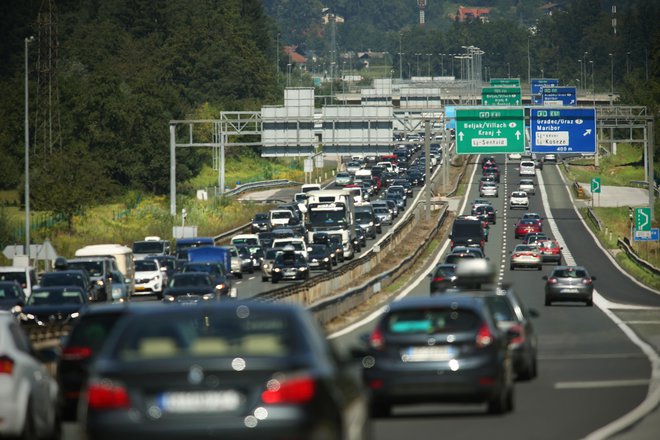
332, 211
123, 255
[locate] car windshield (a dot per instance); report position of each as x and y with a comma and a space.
445, 271
93, 268
429, 321
519, 194
8, 292
148, 247
327, 217
281, 214
56, 296
288, 258
191, 279
146, 266
524, 248
252, 241
13, 276
261, 216
363, 216
570, 273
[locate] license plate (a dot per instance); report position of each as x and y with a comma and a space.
569, 290
200, 401
140, 288
427, 354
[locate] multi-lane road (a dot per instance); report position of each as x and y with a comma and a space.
590, 372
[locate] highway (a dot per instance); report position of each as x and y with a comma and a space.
590, 373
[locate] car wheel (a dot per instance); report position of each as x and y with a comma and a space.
239, 275
548, 302
273, 280
512, 267
590, 302
499, 404
264, 279
380, 410
540, 267
28, 432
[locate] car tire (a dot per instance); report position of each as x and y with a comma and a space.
590, 302
499, 404
548, 302
273, 280
28, 432
264, 279
512, 267
540, 267
380, 410
240, 275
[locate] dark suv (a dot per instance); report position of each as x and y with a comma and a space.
100, 273
468, 233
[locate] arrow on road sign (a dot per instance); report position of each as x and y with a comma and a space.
460, 135
517, 134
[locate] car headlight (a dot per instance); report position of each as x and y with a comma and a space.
208, 296
326, 259
220, 286
99, 282
116, 292
302, 269
371, 223
266, 266
277, 269
169, 298
16, 309
74, 315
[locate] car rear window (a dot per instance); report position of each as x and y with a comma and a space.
207, 334
425, 321
445, 271
549, 244
569, 273
93, 330
466, 229
501, 309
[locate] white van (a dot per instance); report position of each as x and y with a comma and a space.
25, 276
527, 168
245, 240
123, 255
298, 244
280, 217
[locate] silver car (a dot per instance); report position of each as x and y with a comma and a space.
383, 215
527, 185
489, 189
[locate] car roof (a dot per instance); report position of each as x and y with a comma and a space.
461, 299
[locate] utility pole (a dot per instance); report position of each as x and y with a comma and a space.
400, 59
27, 151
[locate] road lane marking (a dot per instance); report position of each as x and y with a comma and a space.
375, 314
652, 399
601, 384
251, 278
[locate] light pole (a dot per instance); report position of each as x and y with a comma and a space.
593, 87
529, 64
27, 152
400, 58
417, 55
428, 55
277, 58
584, 79
508, 70
580, 80
611, 79
442, 64
452, 55
542, 74
409, 74
627, 63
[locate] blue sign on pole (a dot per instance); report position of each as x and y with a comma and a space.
559, 96
563, 130
538, 85
652, 235
450, 116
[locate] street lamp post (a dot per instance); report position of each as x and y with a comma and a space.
627, 63
593, 87
417, 55
542, 74
428, 55
442, 64
611, 80
452, 55
27, 152
508, 70
580, 80
400, 58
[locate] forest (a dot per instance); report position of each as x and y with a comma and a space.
124, 68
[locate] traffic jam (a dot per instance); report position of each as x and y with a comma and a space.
157, 339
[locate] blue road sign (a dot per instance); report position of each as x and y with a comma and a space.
563, 130
450, 116
652, 235
559, 96
538, 85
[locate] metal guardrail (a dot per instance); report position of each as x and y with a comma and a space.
260, 185
596, 221
625, 245
644, 184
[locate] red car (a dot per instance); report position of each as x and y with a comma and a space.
525, 226
550, 251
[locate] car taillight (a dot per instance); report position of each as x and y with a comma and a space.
6, 365
516, 255
437, 279
586, 281
519, 330
451, 244
105, 394
295, 390
376, 339
76, 353
552, 280
484, 336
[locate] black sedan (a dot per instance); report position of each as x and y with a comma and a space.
221, 370
569, 283
191, 287
320, 257
447, 348
289, 265
443, 277
54, 305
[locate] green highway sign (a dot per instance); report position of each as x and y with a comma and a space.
595, 185
643, 219
490, 130
509, 96
505, 82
